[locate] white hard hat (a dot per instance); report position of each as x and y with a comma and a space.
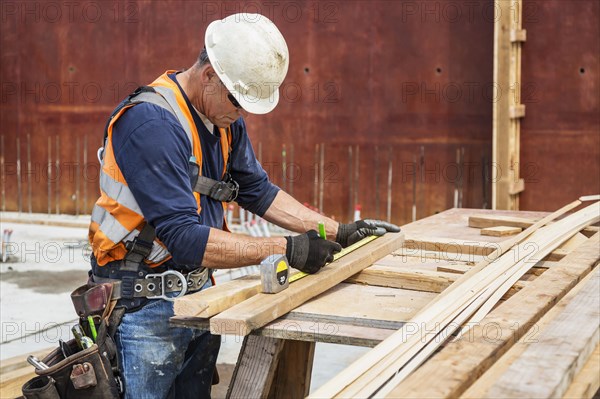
251, 57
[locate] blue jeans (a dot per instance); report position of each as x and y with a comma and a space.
160, 361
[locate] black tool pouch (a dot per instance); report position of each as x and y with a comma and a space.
85, 374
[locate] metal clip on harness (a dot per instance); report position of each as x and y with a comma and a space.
163, 285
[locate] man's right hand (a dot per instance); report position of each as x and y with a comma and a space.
309, 253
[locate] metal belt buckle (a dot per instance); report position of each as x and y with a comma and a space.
163, 285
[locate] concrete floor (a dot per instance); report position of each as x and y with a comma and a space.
48, 262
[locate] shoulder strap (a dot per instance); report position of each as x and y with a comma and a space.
143, 94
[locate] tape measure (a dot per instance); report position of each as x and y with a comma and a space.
343, 252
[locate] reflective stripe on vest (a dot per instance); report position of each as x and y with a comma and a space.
117, 217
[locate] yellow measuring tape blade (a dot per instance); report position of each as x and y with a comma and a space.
343, 252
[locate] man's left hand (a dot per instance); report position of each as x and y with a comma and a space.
350, 233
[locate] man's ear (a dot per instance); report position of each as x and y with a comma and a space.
207, 73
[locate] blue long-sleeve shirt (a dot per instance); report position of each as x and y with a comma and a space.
152, 151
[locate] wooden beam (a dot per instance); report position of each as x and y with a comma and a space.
565, 344
500, 231
292, 378
255, 368
264, 308
510, 320
211, 301
484, 221
507, 109
419, 280
586, 383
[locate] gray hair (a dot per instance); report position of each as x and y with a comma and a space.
203, 58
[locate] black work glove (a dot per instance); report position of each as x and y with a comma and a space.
308, 252
350, 233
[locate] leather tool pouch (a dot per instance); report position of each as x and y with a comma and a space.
86, 373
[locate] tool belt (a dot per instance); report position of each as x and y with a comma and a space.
157, 285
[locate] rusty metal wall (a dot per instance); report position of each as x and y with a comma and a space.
380, 91
560, 134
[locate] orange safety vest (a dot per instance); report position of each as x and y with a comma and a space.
116, 217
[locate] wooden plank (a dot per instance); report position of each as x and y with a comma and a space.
12, 382
211, 301
565, 344
264, 308
419, 280
287, 327
450, 245
586, 383
518, 35
483, 221
500, 231
509, 320
292, 378
363, 305
256, 365
516, 111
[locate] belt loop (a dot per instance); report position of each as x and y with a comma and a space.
127, 284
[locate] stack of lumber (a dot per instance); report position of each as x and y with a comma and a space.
462, 309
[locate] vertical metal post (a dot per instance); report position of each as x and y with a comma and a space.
322, 179
414, 189
283, 167
19, 197
2, 174
389, 190
29, 172
57, 179
356, 178
293, 169
316, 177
77, 172
377, 182
85, 182
49, 169
351, 183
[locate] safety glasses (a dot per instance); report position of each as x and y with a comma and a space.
233, 101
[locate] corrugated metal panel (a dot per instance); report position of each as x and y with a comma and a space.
560, 134
402, 77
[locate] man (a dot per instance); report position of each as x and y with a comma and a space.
175, 153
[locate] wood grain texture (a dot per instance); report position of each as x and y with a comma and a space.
587, 382
497, 332
264, 308
500, 231
257, 362
211, 301
482, 385
293, 375
560, 345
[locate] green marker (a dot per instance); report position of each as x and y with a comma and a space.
92, 328
322, 232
